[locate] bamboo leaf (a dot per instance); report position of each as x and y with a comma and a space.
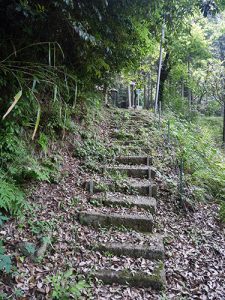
37, 121
16, 99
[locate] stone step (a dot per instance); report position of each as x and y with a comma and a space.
129, 187
117, 134
133, 171
142, 188
154, 249
117, 199
134, 160
136, 222
137, 127
135, 149
131, 142
156, 281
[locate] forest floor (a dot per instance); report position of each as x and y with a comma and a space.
194, 240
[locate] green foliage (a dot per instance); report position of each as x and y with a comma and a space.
30, 248
94, 152
65, 285
213, 108
117, 175
5, 260
214, 125
12, 199
40, 227
3, 296
43, 141
204, 163
17, 160
3, 219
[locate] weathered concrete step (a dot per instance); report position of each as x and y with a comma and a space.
133, 171
136, 149
121, 135
129, 187
137, 222
117, 199
155, 281
142, 188
154, 250
129, 142
134, 160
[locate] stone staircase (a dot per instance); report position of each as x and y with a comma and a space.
139, 192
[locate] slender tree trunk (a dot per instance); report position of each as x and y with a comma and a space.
132, 95
149, 91
129, 96
182, 89
224, 123
145, 96
159, 68
164, 75
189, 90
105, 93
151, 94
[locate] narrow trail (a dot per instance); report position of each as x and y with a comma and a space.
120, 227
140, 192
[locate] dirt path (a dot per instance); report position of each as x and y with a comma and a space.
194, 242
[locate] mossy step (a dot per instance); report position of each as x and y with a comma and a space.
137, 128
129, 142
133, 171
156, 281
134, 149
137, 222
142, 188
154, 249
134, 160
129, 187
120, 135
118, 199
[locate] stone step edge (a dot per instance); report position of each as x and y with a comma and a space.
134, 160
129, 201
131, 189
156, 281
155, 251
132, 221
138, 172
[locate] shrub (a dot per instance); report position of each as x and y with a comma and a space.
65, 285
204, 163
12, 199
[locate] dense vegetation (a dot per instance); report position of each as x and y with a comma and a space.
59, 59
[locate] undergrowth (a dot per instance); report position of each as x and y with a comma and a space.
204, 161
66, 285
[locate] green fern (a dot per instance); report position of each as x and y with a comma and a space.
5, 260
12, 199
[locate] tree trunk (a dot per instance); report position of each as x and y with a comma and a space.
189, 90
145, 96
224, 123
164, 75
132, 95
149, 91
151, 94
129, 96
182, 89
105, 93
159, 69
